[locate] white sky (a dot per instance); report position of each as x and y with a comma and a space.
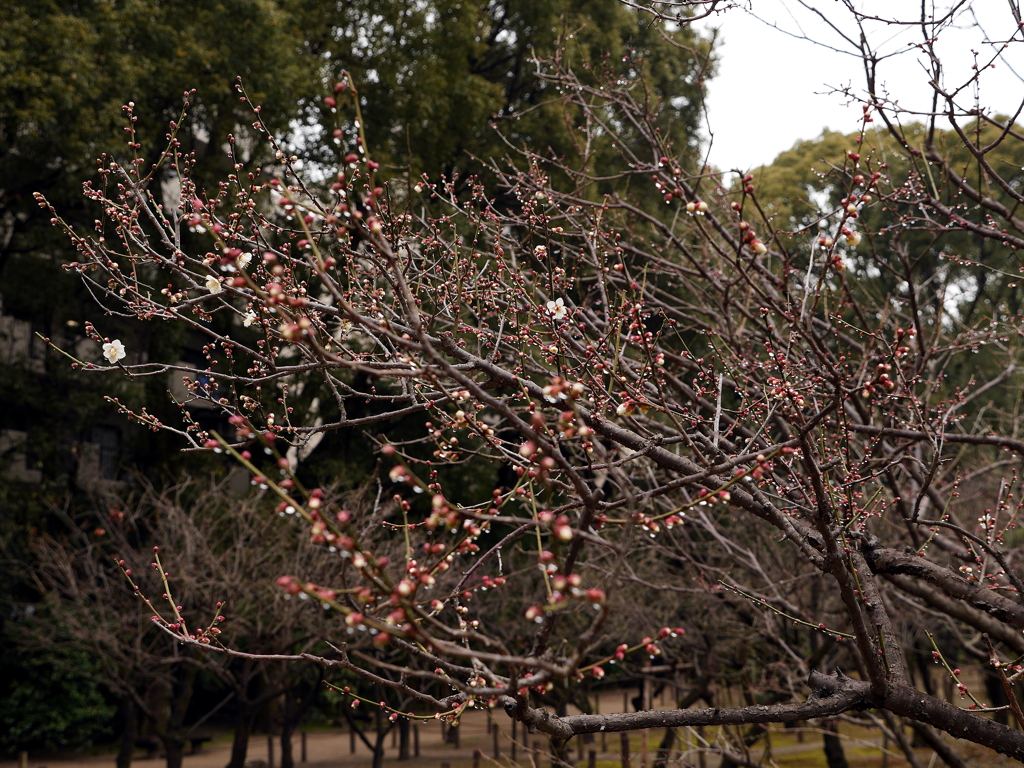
772, 89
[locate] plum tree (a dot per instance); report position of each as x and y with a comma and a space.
714, 438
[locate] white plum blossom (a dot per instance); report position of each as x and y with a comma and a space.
853, 238
557, 309
244, 259
249, 318
114, 351
213, 284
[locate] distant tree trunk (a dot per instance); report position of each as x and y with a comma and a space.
452, 736
996, 694
834, 754
240, 746
169, 699
174, 746
665, 748
378, 746
378, 726
293, 714
287, 728
130, 713
754, 734
924, 668
403, 739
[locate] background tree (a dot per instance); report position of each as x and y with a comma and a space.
224, 558
67, 70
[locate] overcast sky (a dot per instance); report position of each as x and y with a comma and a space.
773, 89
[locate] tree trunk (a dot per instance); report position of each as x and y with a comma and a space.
924, 663
378, 749
130, 712
382, 732
452, 736
240, 746
174, 746
293, 712
834, 754
287, 728
403, 739
753, 735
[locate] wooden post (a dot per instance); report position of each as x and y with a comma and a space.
579, 749
885, 751
625, 701
416, 741
592, 759
701, 763
455, 736
446, 765
497, 746
23, 759
270, 751
352, 740
624, 748
489, 723
604, 741
477, 754
513, 748
644, 749
303, 737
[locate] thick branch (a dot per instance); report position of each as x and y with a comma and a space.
891, 561
832, 696
957, 609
